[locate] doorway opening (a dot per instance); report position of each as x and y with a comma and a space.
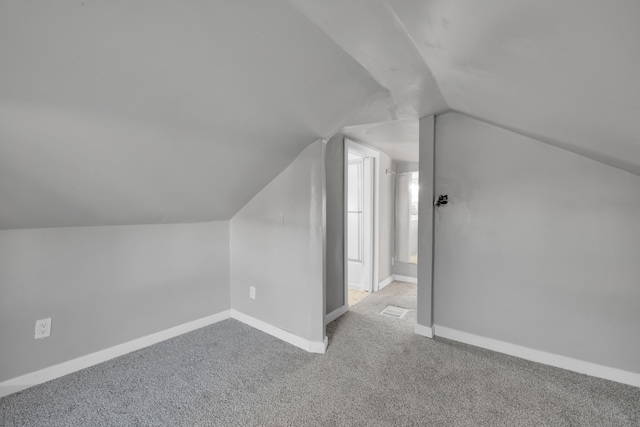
361, 183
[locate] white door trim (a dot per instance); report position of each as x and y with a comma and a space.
363, 150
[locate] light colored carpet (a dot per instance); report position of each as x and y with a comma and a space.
376, 372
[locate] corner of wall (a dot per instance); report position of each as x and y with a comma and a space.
425, 221
277, 247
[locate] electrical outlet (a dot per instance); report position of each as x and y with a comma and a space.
393, 261
252, 292
43, 328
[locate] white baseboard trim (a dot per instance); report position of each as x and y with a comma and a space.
405, 279
310, 346
425, 331
319, 347
386, 281
56, 371
357, 286
539, 356
335, 314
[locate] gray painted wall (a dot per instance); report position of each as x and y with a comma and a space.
425, 223
406, 166
104, 286
386, 224
284, 264
404, 268
538, 246
334, 270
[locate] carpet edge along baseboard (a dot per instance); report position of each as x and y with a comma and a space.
539, 356
31, 379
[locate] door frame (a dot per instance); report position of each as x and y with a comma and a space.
363, 150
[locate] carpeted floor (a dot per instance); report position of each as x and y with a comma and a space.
376, 372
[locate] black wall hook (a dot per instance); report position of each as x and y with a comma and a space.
443, 199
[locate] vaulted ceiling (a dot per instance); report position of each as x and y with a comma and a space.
565, 72
162, 111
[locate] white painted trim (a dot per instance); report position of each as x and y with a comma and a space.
376, 220
396, 277
335, 314
352, 285
407, 279
362, 149
310, 346
345, 255
564, 362
56, 371
386, 281
319, 347
425, 331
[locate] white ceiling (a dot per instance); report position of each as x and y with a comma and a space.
122, 112
126, 112
372, 34
567, 72
398, 139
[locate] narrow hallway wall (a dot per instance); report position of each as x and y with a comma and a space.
335, 257
386, 223
403, 268
425, 225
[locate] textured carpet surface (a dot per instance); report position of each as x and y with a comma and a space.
376, 372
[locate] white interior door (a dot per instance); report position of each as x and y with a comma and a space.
360, 221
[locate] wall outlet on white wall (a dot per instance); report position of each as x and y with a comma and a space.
43, 328
252, 292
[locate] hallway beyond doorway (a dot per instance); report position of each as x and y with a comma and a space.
356, 295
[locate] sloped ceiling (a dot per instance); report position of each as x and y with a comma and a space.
125, 112
398, 139
120, 112
565, 72
371, 32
